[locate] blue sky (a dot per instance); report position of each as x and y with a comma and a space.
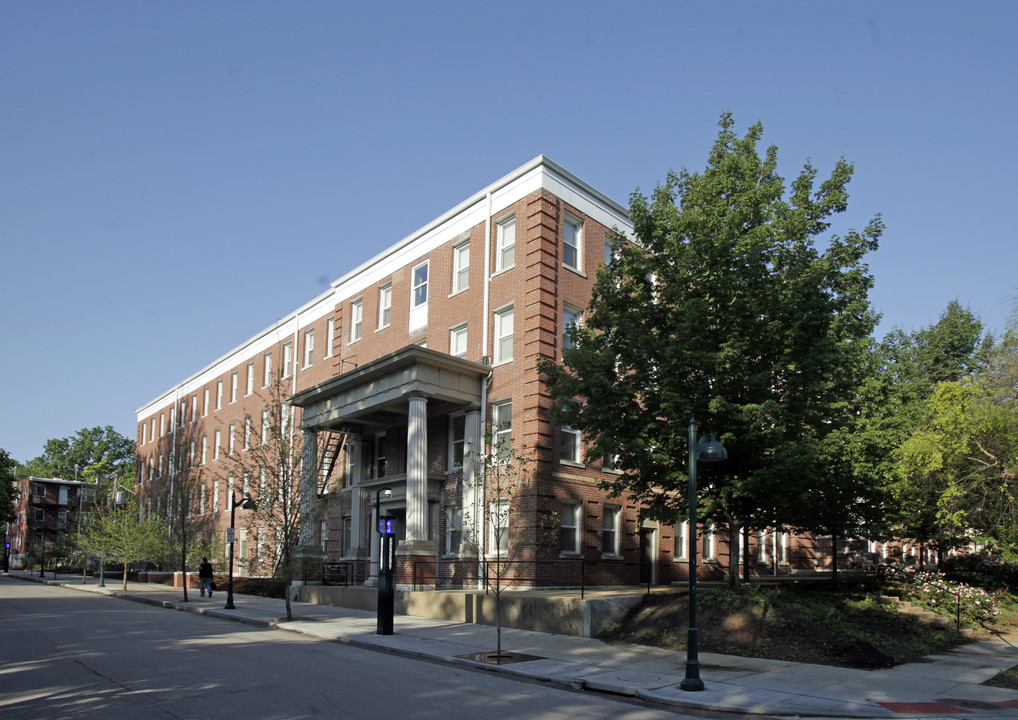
176, 176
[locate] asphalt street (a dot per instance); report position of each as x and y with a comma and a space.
65, 654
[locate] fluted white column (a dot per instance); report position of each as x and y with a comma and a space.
473, 503
356, 445
417, 470
309, 487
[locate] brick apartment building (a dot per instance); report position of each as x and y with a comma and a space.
401, 366
46, 509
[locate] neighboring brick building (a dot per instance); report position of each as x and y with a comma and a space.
400, 366
46, 509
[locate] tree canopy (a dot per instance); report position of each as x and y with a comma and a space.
98, 452
8, 487
725, 308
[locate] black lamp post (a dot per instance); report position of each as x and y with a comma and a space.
245, 504
705, 450
386, 596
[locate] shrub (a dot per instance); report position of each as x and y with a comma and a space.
932, 590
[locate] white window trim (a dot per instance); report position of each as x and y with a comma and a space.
498, 519
573, 507
309, 347
615, 512
453, 418
499, 317
356, 320
288, 359
384, 303
682, 541
577, 315
501, 224
573, 220
458, 270
453, 332
577, 458
419, 311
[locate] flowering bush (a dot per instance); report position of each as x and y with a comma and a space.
934, 591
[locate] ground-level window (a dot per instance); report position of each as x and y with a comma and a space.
569, 540
610, 530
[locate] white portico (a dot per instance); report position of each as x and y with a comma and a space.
397, 391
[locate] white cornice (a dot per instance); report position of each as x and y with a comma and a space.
539, 173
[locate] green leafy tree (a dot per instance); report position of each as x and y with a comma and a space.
90, 455
913, 367
8, 487
958, 472
724, 308
118, 534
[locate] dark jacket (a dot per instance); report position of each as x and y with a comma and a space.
205, 570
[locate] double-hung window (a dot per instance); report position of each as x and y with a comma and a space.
457, 426
572, 243
502, 430
571, 318
419, 296
504, 335
268, 370
287, 359
682, 539
498, 524
570, 451
458, 341
610, 530
356, 319
330, 332
234, 386
250, 379
309, 347
505, 249
569, 539
385, 305
461, 266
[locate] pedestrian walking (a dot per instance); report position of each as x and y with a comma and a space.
205, 577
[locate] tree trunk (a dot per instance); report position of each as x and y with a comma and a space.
183, 570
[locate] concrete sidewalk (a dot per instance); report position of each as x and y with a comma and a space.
941, 686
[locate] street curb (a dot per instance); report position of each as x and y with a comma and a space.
353, 642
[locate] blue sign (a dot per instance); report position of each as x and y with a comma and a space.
387, 525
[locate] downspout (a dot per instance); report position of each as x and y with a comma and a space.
485, 304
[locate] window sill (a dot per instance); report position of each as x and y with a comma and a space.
611, 556
682, 559
570, 554
502, 271
454, 293
577, 271
383, 327
571, 463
